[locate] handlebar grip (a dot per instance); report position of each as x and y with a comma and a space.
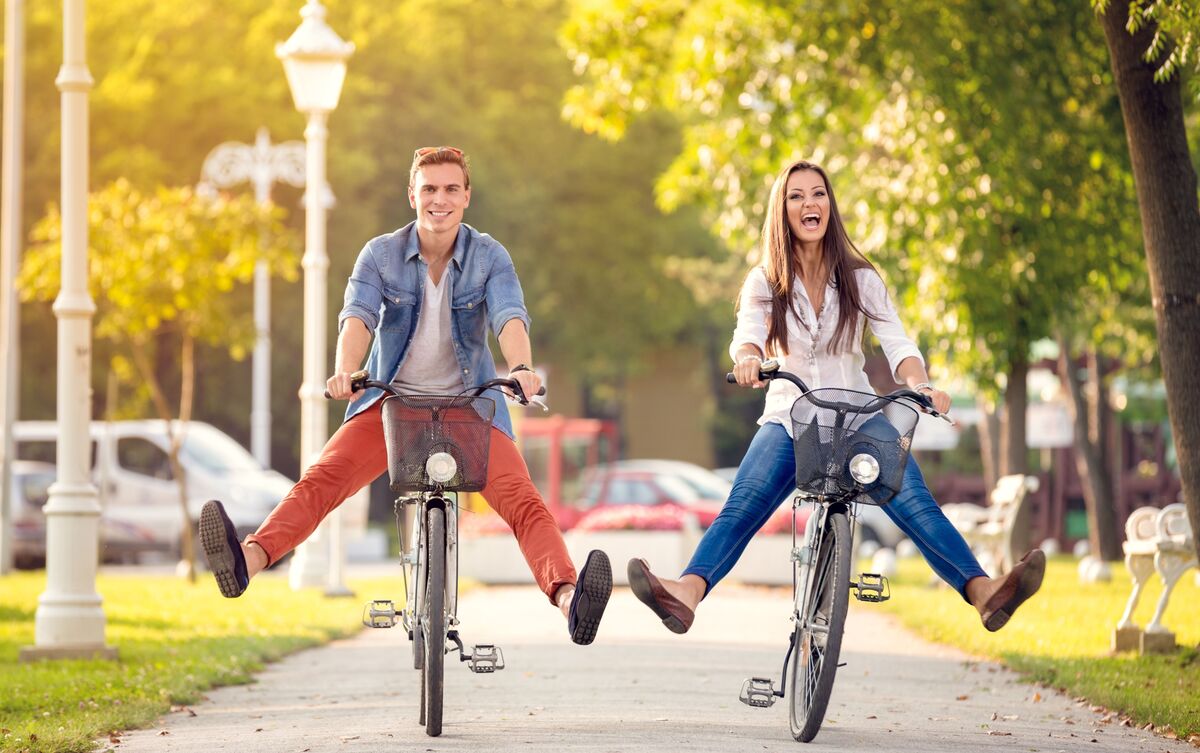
358, 381
731, 378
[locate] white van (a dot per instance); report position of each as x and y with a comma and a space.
139, 498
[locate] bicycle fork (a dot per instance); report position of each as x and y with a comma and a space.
484, 658
760, 692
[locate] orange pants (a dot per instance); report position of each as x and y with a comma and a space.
355, 456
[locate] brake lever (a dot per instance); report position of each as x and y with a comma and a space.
942, 416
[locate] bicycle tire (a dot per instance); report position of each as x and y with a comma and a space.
813, 665
435, 620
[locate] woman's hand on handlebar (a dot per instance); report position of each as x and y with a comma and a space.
940, 400
746, 371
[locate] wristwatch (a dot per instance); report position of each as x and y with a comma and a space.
518, 367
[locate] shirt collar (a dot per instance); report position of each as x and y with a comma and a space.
412, 248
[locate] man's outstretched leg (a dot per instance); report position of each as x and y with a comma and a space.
354, 456
511, 493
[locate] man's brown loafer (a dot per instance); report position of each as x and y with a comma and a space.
649, 590
1022, 582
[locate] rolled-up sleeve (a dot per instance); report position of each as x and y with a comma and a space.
364, 291
754, 304
888, 329
505, 300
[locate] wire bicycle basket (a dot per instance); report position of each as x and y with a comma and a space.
418, 426
832, 427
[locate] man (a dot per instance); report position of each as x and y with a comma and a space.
429, 292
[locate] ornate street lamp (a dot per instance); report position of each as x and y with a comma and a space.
314, 58
262, 165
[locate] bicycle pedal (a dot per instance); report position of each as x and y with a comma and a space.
485, 658
379, 613
758, 692
871, 587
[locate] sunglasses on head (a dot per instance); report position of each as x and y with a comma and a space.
425, 150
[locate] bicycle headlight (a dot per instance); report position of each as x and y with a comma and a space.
864, 468
441, 467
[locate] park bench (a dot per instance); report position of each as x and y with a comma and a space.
1155, 540
997, 533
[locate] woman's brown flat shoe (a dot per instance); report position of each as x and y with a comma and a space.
649, 590
1022, 582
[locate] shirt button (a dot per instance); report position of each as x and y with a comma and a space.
470, 305
396, 299
466, 371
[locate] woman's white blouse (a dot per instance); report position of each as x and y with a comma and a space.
808, 357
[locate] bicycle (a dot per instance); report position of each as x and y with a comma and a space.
851, 448
437, 447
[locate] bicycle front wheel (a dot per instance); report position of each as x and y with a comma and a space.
818, 638
433, 620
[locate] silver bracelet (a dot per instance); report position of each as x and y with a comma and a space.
747, 357
924, 386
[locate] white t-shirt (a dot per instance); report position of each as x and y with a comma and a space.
808, 357
430, 367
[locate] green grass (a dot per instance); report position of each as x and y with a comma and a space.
1063, 638
175, 640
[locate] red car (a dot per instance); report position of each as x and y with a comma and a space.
654, 495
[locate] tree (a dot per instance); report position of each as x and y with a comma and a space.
174, 78
977, 151
1166, 188
161, 270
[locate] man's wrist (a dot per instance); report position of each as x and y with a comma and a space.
519, 367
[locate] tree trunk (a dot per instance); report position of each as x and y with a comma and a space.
141, 359
1016, 399
1089, 462
1170, 213
989, 441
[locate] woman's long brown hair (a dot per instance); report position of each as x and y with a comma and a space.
781, 264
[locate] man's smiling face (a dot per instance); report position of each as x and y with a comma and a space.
439, 195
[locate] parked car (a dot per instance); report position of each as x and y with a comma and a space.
29, 491
654, 495
873, 523
139, 497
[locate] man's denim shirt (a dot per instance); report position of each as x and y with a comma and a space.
385, 292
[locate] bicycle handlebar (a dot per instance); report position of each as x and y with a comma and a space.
359, 381
770, 370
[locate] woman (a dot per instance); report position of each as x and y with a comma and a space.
807, 305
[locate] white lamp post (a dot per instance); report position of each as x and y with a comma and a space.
261, 165
70, 619
11, 232
314, 58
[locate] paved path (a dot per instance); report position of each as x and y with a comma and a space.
638, 688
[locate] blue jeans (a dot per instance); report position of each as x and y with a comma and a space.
767, 476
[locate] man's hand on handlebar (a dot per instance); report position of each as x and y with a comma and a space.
337, 387
530, 382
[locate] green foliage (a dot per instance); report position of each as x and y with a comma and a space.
164, 260
175, 78
976, 148
175, 641
1176, 35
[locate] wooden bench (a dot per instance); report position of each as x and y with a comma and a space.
996, 533
1155, 540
